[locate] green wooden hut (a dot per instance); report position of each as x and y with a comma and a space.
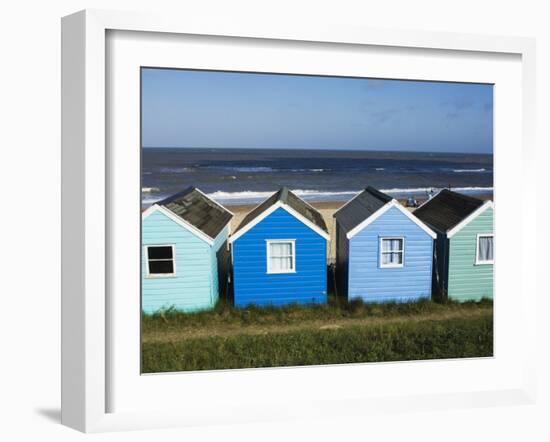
464, 250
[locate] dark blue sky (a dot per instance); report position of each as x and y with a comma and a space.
239, 110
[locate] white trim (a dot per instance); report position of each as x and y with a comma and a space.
268, 242
255, 221
486, 205
482, 263
269, 211
369, 220
307, 222
149, 275
384, 209
414, 219
156, 208
238, 234
402, 251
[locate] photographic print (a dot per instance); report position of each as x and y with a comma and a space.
294, 220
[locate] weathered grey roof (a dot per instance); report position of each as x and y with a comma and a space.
447, 209
197, 209
285, 196
359, 208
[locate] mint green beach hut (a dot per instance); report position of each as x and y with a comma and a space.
185, 257
464, 248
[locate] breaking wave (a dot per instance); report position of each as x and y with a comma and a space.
469, 170
250, 196
260, 169
149, 189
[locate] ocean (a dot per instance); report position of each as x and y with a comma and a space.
247, 176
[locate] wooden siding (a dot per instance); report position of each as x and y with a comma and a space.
191, 287
342, 253
468, 281
252, 283
371, 283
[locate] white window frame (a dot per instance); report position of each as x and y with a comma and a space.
478, 261
268, 242
381, 252
160, 275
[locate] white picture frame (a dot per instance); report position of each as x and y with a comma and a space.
87, 216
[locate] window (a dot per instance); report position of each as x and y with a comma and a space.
484, 247
281, 256
160, 261
391, 252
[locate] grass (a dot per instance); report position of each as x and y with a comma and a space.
339, 332
225, 314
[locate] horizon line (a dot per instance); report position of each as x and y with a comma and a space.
321, 149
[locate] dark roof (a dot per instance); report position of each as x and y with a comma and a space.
362, 206
197, 209
285, 196
447, 209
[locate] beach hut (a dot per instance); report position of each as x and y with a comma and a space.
185, 257
463, 256
279, 254
383, 252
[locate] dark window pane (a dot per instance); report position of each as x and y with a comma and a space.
161, 267
162, 252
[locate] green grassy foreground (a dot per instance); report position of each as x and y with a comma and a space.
336, 333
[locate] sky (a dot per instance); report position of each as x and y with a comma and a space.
185, 108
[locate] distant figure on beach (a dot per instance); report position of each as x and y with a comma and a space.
411, 202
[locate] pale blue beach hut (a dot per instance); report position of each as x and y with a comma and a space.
185, 257
383, 252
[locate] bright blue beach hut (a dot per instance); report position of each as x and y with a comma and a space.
185, 257
279, 254
383, 252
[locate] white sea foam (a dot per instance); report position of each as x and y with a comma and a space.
428, 189
469, 170
249, 195
245, 169
307, 170
176, 169
260, 169
380, 168
328, 195
149, 189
